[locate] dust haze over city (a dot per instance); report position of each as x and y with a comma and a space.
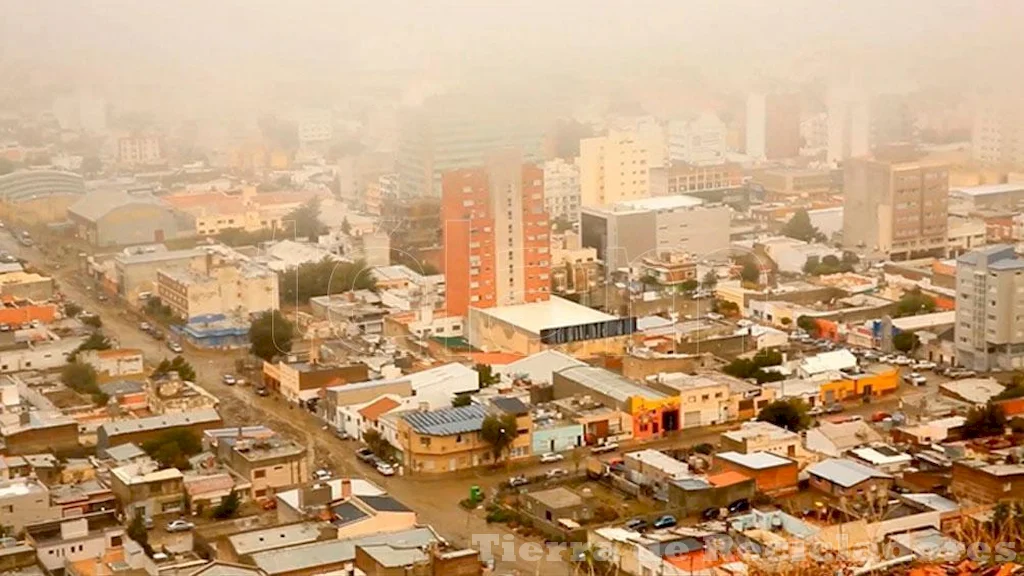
572, 287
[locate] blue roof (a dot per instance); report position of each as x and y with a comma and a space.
448, 421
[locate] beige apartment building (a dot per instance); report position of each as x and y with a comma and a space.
268, 464
616, 167
896, 206
231, 289
756, 436
989, 331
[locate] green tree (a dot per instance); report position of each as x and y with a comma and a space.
789, 414
487, 375
173, 448
304, 221
988, 420
786, 321
914, 302
137, 531
807, 324
71, 310
905, 342
270, 335
178, 365
689, 285
461, 400
228, 506
95, 341
499, 433
750, 272
346, 228
327, 277
379, 445
81, 378
93, 321
710, 280
800, 227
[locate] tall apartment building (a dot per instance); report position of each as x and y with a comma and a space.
710, 182
698, 140
895, 205
989, 329
858, 125
562, 189
496, 235
314, 126
139, 149
627, 232
773, 126
998, 133
616, 167
452, 133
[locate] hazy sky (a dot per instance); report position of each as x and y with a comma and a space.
258, 43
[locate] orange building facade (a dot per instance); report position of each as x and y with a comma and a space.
496, 235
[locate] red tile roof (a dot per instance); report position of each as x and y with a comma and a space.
373, 411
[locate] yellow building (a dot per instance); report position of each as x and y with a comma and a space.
237, 289
874, 382
443, 440
616, 167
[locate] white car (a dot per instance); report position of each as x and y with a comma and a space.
916, 379
179, 526
322, 475
385, 469
924, 365
228, 379
550, 457
175, 347
556, 473
902, 361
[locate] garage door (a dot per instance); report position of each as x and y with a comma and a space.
691, 419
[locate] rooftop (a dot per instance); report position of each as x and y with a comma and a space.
447, 421
274, 537
552, 313
988, 189
677, 469
757, 429
657, 203
557, 498
118, 427
828, 361
845, 473
608, 383
754, 460
974, 390
881, 455
309, 557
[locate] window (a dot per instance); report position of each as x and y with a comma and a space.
424, 441
259, 474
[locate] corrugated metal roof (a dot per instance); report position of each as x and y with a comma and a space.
755, 460
448, 421
608, 383
845, 473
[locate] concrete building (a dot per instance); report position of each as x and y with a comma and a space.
761, 437
139, 149
300, 381
998, 133
39, 195
846, 478
835, 439
624, 233
60, 543
721, 182
267, 464
562, 189
231, 288
988, 333
27, 286
107, 218
135, 272
24, 501
314, 126
789, 184
980, 484
140, 430
139, 486
496, 243
896, 207
772, 473
454, 132
443, 440
698, 140
119, 363
616, 167
773, 126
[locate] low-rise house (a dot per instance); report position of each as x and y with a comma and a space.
140, 430
268, 465
82, 498
653, 412
522, 446
172, 395
844, 478
129, 395
208, 489
443, 440
831, 439
300, 381
552, 432
307, 501
25, 501
58, 542
696, 494
655, 469
141, 487
335, 555
978, 483
772, 474
388, 558
555, 504
932, 432
30, 432
873, 381
882, 457
704, 399
761, 437
976, 391
928, 545
120, 363
242, 546
826, 362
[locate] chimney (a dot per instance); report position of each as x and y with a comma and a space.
25, 418
346, 489
314, 351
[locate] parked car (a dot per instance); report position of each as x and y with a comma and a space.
517, 481
915, 378
262, 391
924, 365
609, 447
156, 334
321, 475
385, 469
816, 411
556, 473
666, 521
636, 524
741, 505
228, 379
879, 416
180, 525
365, 454
549, 457
902, 360
175, 347
269, 504
711, 514
834, 408
340, 434
145, 326
958, 373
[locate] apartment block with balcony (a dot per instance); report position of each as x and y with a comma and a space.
895, 205
229, 289
989, 329
616, 167
140, 487
562, 189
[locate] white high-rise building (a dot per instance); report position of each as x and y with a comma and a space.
315, 126
989, 332
562, 189
998, 133
616, 167
755, 131
698, 140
